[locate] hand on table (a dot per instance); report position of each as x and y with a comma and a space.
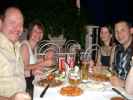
20, 96
115, 81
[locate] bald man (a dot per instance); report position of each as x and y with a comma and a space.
11, 65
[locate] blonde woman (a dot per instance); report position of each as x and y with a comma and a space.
33, 66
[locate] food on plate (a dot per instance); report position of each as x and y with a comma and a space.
117, 98
52, 83
71, 91
60, 77
100, 77
50, 77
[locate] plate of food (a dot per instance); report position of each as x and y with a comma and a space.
71, 91
51, 80
52, 83
100, 74
100, 77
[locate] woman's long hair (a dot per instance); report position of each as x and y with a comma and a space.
109, 27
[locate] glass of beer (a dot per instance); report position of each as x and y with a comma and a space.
84, 70
74, 77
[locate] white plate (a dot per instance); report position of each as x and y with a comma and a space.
94, 86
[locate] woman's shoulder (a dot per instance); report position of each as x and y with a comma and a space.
114, 46
25, 43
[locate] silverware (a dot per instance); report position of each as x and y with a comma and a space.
52, 71
118, 92
44, 91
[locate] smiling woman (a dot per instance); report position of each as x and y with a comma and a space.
28, 50
107, 43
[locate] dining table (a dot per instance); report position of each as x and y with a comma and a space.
53, 94
91, 91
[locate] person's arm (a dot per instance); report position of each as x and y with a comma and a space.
112, 56
35, 68
98, 59
4, 98
17, 96
26, 58
129, 82
117, 82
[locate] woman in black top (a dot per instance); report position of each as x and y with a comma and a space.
104, 52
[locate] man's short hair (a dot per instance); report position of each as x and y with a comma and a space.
123, 21
10, 9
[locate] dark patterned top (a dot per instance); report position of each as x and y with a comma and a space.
122, 60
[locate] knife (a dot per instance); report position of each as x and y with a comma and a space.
118, 92
44, 91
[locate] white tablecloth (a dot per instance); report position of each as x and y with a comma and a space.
53, 94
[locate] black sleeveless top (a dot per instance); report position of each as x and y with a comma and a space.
105, 60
